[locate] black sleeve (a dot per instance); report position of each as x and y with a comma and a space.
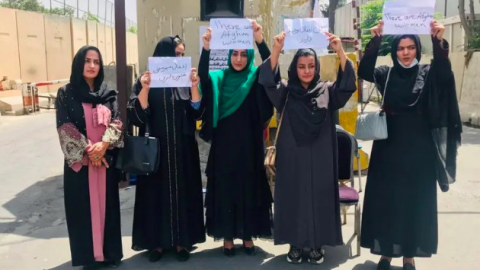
367, 70
341, 91
136, 114
441, 62
271, 82
61, 108
263, 50
206, 106
204, 66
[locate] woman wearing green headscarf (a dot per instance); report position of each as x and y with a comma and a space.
238, 201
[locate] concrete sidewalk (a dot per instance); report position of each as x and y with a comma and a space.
33, 233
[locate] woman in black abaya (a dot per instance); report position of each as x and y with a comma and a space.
307, 210
90, 130
169, 203
238, 201
400, 208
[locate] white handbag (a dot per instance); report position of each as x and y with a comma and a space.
372, 126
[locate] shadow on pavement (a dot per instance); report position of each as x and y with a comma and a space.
36, 207
41, 205
369, 265
214, 259
470, 136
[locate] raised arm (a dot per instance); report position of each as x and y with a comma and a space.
367, 70
343, 88
269, 76
260, 41
441, 62
196, 95
341, 91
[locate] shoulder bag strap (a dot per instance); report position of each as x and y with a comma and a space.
385, 90
281, 119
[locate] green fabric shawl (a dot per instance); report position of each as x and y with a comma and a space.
231, 87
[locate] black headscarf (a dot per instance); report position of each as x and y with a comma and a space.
101, 94
305, 116
403, 87
166, 48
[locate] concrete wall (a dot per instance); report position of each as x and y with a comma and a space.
79, 35
36, 47
31, 44
9, 54
470, 94
92, 38
109, 57
101, 43
58, 40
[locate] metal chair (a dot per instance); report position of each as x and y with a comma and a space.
349, 196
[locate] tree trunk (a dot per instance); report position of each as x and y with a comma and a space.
472, 14
332, 7
463, 18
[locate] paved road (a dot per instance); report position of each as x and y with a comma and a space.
33, 234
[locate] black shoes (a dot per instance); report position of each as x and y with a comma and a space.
229, 252
250, 251
90, 267
383, 265
183, 255
409, 266
112, 264
316, 256
155, 256
294, 255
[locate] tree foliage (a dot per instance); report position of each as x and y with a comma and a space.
35, 6
371, 13
132, 29
470, 25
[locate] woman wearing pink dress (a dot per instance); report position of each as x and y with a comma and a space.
90, 132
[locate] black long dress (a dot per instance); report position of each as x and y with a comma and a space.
238, 201
168, 204
307, 210
72, 129
400, 206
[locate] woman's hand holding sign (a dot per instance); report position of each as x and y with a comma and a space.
207, 37
377, 30
438, 29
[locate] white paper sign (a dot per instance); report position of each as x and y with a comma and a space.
306, 33
170, 71
403, 17
218, 58
236, 34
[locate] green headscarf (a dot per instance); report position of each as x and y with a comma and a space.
231, 87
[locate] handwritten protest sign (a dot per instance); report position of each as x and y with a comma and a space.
170, 71
218, 58
306, 33
234, 34
408, 17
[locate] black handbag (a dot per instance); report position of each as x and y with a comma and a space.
140, 155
